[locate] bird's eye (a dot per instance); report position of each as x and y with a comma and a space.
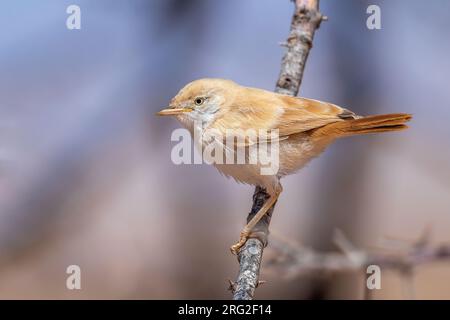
199, 101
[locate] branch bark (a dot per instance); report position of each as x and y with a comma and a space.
305, 21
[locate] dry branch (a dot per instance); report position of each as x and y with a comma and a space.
296, 260
305, 21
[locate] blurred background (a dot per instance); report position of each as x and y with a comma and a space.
85, 171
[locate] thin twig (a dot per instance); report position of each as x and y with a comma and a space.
305, 21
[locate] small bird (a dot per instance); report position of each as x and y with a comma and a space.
305, 127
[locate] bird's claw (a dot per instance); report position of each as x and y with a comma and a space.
242, 240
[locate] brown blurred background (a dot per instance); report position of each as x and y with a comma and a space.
85, 170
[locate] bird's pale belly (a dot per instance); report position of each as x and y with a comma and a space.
297, 151
294, 153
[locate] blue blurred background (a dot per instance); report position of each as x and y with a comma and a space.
85, 170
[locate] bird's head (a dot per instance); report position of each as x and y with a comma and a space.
201, 100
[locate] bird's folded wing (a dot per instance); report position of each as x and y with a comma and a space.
301, 114
290, 115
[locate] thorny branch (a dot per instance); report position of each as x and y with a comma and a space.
305, 21
296, 260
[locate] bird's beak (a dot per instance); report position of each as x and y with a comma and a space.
172, 111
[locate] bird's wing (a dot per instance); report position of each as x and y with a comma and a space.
301, 114
263, 110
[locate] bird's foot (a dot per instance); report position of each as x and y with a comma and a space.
245, 235
242, 240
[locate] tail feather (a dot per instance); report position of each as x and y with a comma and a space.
378, 123
364, 125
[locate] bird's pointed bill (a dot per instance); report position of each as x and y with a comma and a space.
173, 111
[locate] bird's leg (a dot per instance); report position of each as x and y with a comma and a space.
245, 233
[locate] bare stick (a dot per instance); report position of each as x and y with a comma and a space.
305, 21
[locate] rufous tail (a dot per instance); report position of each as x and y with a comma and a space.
363, 125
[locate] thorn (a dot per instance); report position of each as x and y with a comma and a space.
232, 286
324, 18
283, 44
342, 242
260, 282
